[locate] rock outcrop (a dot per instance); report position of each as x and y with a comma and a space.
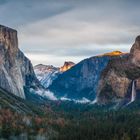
117, 78
67, 65
16, 71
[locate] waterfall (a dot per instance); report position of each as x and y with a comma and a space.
94, 101
133, 92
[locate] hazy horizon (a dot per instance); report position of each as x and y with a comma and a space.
53, 31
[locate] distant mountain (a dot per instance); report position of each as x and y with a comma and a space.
16, 70
47, 73
82, 79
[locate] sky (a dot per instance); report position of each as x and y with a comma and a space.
54, 31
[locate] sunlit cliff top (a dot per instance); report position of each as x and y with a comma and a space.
114, 53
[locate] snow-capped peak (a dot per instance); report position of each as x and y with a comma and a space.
47, 73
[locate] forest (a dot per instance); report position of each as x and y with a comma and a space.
69, 121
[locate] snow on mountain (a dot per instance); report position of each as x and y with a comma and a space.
47, 73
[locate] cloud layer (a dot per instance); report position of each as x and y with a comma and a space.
53, 31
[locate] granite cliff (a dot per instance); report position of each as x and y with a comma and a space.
120, 76
16, 70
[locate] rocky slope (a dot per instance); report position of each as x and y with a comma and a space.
121, 77
17, 104
16, 71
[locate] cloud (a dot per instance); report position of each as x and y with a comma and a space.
44, 93
77, 101
82, 101
18, 13
37, 58
65, 99
50, 95
72, 30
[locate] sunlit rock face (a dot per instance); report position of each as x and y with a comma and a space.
114, 53
16, 71
117, 78
67, 66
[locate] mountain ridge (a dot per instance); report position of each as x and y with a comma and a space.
81, 74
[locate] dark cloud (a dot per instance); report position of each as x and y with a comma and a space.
17, 13
3, 2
